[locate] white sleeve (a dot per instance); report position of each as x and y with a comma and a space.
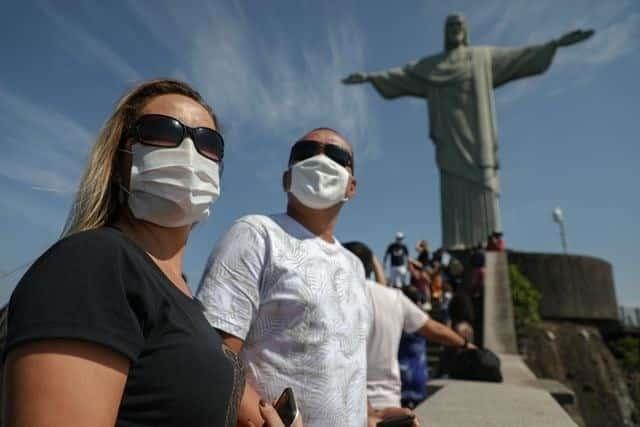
230, 286
414, 318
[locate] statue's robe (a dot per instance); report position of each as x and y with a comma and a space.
458, 86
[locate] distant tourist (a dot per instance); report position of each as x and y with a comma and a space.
398, 254
461, 310
436, 283
422, 248
420, 271
393, 314
102, 328
453, 274
447, 358
477, 261
495, 242
420, 278
465, 330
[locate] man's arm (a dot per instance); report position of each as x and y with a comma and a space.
414, 265
437, 332
386, 256
416, 321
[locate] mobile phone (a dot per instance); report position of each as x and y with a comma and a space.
286, 407
397, 421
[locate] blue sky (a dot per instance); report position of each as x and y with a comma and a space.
271, 71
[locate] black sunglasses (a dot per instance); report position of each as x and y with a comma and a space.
305, 149
158, 130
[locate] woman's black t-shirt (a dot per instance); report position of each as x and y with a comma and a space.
98, 286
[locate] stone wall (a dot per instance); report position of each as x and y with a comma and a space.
573, 287
577, 356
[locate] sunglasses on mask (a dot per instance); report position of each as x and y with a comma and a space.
158, 130
305, 149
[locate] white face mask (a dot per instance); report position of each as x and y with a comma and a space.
172, 187
318, 182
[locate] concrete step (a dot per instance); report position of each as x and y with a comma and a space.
560, 392
466, 403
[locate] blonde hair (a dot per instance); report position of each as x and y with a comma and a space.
97, 200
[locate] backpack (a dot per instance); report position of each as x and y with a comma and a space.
476, 365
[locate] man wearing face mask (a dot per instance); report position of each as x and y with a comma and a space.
282, 290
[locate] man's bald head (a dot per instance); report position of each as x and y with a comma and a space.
331, 144
328, 136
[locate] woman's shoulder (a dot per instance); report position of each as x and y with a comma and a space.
91, 246
83, 288
105, 238
82, 252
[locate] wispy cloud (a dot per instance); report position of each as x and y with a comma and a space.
47, 212
157, 23
55, 189
505, 23
520, 22
283, 93
278, 87
42, 148
81, 44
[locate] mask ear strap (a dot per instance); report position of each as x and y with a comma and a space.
118, 181
345, 198
123, 192
123, 188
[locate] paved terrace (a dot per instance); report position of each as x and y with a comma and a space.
521, 400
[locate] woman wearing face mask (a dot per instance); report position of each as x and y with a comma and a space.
103, 329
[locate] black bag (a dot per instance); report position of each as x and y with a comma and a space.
475, 365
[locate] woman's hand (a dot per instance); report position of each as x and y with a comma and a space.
271, 417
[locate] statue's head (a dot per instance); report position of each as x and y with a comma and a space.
456, 31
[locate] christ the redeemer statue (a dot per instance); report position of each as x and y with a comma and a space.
458, 85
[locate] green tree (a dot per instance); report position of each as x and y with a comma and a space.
628, 349
526, 299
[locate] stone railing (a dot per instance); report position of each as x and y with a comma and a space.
522, 399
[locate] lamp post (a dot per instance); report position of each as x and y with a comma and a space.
559, 219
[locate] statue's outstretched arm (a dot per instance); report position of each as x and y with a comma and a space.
355, 78
573, 37
392, 83
509, 64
